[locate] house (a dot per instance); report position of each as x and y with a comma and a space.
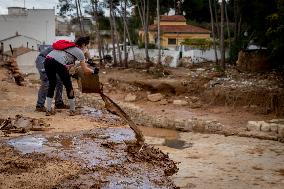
36, 23
18, 40
174, 30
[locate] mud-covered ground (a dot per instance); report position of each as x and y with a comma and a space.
231, 99
95, 149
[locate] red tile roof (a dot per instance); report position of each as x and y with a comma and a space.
180, 28
173, 18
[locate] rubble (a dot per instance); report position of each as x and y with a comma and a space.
21, 124
155, 97
274, 127
180, 102
130, 97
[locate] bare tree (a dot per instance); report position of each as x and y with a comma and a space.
128, 35
95, 14
117, 38
159, 35
216, 19
213, 32
222, 45
236, 17
144, 16
78, 16
124, 34
112, 33
81, 17
227, 22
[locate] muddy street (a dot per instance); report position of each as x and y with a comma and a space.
216, 161
96, 149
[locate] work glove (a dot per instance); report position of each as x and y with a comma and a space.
96, 71
90, 62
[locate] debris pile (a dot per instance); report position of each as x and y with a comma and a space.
21, 124
15, 71
149, 154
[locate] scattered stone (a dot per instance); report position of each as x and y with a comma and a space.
130, 97
163, 102
276, 121
281, 130
253, 126
155, 97
274, 127
265, 127
194, 99
195, 105
180, 102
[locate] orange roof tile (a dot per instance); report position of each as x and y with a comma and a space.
173, 18
180, 28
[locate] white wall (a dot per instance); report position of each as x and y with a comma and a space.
37, 23
20, 41
196, 56
26, 62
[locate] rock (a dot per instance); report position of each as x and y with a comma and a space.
276, 121
281, 130
265, 127
130, 97
274, 127
194, 99
163, 102
180, 102
195, 105
253, 126
155, 97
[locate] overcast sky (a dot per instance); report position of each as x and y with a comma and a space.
39, 4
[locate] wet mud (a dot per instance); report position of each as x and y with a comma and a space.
107, 158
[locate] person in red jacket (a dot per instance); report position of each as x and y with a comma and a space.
65, 53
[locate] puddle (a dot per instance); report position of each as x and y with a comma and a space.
164, 137
176, 143
30, 144
93, 112
96, 113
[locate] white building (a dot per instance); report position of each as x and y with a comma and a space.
34, 23
19, 41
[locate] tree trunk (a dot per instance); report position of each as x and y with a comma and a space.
81, 17
124, 35
222, 45
112, 34
158, 37
236, 20
128, 36
147, 34
228, 28
78, 17
216, 19
213, 32
95, 14
117, 39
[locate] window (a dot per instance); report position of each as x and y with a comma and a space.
172, 41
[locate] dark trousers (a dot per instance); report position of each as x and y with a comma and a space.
52, 67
